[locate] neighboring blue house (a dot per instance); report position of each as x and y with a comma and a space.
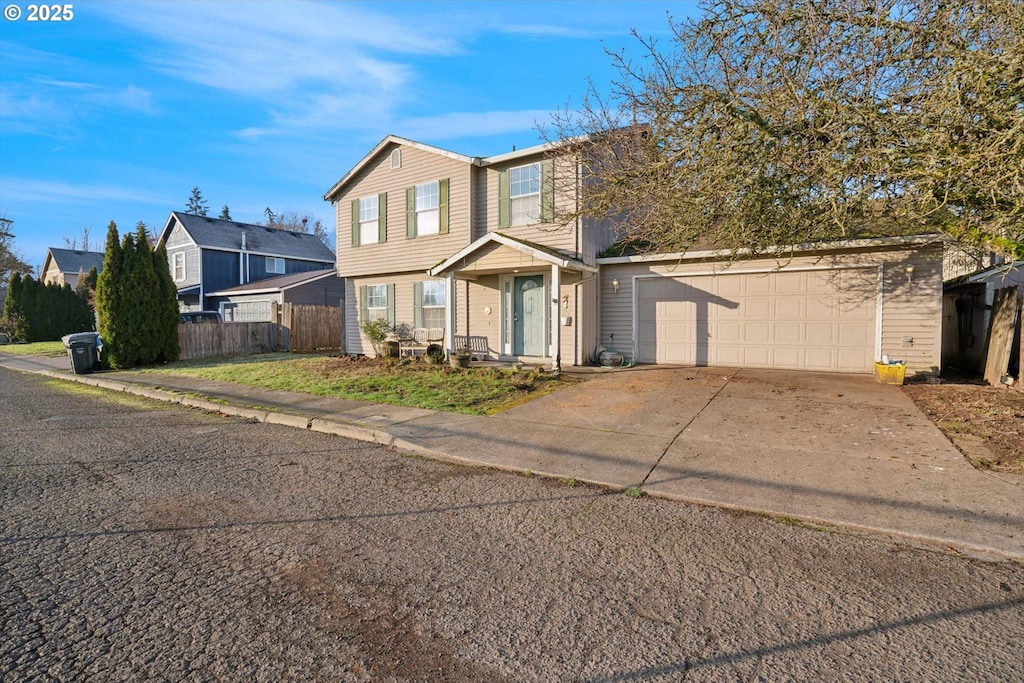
207, 255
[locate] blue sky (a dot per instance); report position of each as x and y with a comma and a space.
119, 112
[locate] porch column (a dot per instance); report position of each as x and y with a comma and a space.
449, 312
556, 320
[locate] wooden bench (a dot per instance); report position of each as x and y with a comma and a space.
411, 342
476, 343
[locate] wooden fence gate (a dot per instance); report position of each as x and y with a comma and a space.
307, 329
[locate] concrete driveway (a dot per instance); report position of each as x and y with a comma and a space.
827, 448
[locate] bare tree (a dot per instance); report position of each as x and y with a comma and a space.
11, 261
295, 222
775, 123
81, 241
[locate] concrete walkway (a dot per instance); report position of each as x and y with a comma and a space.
836, 451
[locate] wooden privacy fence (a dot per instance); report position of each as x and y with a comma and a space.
226, 339
306, 329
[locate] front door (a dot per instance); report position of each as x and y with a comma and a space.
528, 315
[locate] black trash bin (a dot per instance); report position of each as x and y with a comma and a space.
84, 351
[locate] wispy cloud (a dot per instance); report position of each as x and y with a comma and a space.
30, 190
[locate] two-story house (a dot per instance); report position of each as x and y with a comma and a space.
432, 238
65, 266
208, 255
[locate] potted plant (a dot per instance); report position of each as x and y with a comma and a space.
461, 357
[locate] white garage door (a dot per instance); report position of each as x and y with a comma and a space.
806, 320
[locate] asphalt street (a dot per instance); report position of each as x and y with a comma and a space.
145, 541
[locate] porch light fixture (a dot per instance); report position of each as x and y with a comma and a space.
615, 285
909, 270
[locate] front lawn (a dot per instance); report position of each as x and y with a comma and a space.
49, 348
476, 390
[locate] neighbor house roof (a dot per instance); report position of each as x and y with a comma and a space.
213, 233
73, 260
277, 284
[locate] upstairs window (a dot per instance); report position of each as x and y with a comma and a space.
179, 266
524, 193
426, 209
369, 219
396, 159
369, 214
275, 265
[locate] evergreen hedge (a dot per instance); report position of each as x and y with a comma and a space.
37, 311
136, 302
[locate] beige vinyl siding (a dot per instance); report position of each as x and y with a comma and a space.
907, 310
399, 252
483, 295
567, 340
53, 274
585, 306
500, 257
403, 305
913, 310
552, 235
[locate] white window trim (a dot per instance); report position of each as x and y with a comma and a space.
532, 218
434, 308
369, 228
434, 212
179, 255
371, 309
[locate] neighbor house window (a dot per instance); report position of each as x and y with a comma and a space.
369, 213
524, 192
376, 302
433, 303
275, 265
179, 266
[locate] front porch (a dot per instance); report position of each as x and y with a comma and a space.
511, 300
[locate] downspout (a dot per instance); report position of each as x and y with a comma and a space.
241, 262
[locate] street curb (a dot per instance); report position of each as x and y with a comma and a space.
358, 432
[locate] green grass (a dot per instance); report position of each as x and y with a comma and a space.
50, 348
474, 391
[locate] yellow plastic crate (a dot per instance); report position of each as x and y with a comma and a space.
890, 374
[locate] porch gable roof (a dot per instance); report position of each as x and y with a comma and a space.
533, 249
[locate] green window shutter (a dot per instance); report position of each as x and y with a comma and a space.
362, 303
382, 217
417, 304
391, 305
410, 212
355, 222
442, 200
504, 201
547, 191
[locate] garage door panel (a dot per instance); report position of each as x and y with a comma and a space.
820, 333
818, 359
796, 320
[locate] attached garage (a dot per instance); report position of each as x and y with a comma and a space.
797, 319
833, 309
